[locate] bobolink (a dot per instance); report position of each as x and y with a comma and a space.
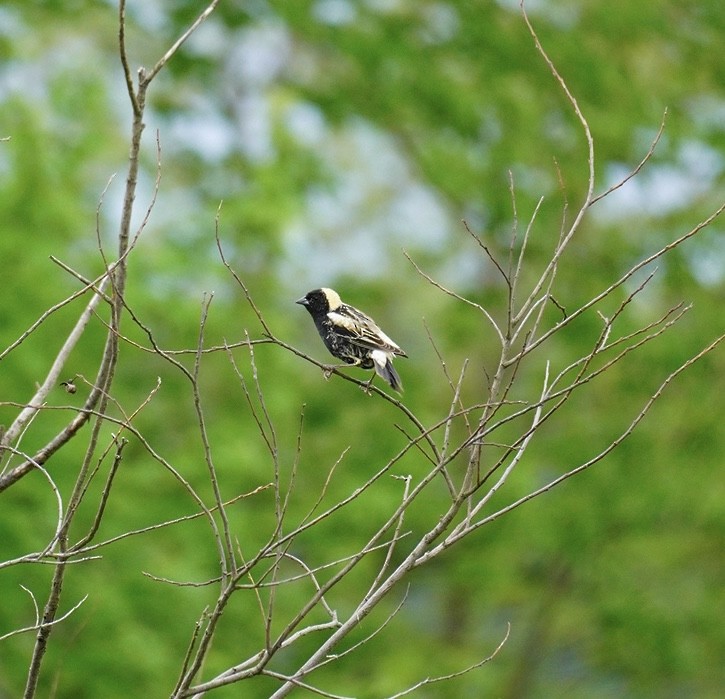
352, 336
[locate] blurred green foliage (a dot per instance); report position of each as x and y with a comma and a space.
336, 133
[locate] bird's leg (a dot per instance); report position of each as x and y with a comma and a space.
368, 384
327, 369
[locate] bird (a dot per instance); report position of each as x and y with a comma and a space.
352, 336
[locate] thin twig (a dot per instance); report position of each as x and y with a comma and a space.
637, 169
453, 675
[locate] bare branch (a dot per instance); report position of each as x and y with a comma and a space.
444, 678
124, 58
38, 623
147, 77
598, 457
432, 281
612, 287
52, 378
637, 169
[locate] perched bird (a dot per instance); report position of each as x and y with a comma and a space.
352, 336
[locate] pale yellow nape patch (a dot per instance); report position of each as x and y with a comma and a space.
333, 298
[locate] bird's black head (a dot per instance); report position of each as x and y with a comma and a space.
319, 302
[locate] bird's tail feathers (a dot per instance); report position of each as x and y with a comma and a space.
384, 368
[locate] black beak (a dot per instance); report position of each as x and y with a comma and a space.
303, 301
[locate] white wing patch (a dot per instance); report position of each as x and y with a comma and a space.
344, 322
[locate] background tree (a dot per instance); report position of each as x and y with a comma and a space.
336, 134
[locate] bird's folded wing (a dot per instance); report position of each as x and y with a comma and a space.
363, 330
